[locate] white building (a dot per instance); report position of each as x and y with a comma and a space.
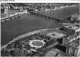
72, 27
75, 16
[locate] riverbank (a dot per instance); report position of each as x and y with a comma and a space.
11, 14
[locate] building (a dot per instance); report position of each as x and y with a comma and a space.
75, 17
5, 7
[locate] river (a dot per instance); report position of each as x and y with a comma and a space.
27, 23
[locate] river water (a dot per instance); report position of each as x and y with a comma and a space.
27, 23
